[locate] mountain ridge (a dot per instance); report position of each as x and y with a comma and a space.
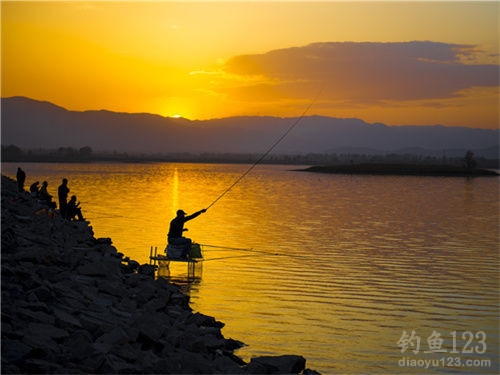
27, 99
31, 123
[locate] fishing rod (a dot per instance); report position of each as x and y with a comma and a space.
290, 128
270, 149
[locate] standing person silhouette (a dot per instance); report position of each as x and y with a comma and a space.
177, 227
21, 177
62, 192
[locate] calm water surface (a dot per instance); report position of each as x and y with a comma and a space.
366, 256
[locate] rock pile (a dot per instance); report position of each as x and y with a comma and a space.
71, 304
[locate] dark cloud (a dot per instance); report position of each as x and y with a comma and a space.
362, 72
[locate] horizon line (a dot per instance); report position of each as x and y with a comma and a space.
237, 116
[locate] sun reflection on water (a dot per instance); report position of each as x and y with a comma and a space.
175, 193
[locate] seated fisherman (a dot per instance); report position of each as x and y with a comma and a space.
177, 227
34, 189
43, 195
73, 209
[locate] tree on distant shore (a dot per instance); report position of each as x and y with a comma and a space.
469, 160
70, 153
11, 152
86, 151
66, 151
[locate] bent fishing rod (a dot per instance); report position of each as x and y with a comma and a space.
290, 128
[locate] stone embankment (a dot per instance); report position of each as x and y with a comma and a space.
72, 303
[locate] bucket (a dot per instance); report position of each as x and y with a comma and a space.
175, 251
195, 252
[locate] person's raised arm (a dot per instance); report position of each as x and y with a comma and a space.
190, 217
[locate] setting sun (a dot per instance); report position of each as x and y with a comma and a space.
176, 57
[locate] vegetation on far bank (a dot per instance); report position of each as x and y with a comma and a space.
13, 153
401, 169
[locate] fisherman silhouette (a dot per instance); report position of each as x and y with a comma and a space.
73, 209
43, 193
177, 227
21, 177
62, 192
34, 189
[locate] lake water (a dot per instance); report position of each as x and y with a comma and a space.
366, 257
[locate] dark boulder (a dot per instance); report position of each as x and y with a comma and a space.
283, 364
205, 320
14, 351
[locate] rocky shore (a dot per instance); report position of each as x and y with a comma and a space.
72, 303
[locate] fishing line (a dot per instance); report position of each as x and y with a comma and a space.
231, 257
223, 248
270, 149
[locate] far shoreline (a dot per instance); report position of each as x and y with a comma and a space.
140, 161
375, 169
423, 170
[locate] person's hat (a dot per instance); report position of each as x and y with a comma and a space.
180, 212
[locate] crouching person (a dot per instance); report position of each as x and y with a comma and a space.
73, 209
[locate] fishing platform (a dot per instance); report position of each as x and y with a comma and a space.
194, 262
162, 262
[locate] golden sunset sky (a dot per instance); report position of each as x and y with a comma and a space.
394, 62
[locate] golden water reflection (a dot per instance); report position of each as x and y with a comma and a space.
175, 192
365, 257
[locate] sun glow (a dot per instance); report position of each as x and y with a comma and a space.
197, 60
175, 106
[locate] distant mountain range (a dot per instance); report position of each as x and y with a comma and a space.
29, 123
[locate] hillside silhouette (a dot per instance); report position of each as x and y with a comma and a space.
29, 123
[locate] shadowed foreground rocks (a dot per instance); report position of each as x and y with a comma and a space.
72, 304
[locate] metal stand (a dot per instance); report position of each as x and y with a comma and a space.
153, 258
192, 264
